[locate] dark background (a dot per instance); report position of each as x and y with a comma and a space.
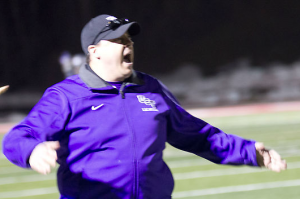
209, 34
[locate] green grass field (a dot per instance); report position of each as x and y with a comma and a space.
196, 177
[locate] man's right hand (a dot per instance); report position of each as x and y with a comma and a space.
44, 156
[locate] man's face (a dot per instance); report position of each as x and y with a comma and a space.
117, 56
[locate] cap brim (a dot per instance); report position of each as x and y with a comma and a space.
132, 28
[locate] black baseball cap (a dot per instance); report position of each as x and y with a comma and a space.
106, 27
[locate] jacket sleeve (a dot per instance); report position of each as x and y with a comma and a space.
45, 122
194, 135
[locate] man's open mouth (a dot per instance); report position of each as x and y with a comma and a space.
127, 58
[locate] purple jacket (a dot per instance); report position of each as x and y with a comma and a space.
112, 140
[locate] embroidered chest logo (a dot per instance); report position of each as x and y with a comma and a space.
96, 107
147, 101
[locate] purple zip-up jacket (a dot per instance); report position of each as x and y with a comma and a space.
112, 140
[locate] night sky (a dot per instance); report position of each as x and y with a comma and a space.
209, 34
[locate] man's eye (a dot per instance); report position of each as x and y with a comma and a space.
122, 41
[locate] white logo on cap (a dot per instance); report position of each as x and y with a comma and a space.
111, 18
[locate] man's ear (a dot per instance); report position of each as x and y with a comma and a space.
93, 51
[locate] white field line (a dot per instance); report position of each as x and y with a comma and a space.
225, 172
286, 142
12, 170
15, 169
28, 192
188, 163
176, 154
240, 188
27, 178
290, 155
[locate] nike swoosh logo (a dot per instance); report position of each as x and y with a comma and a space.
96, 107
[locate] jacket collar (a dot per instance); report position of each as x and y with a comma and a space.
92, 80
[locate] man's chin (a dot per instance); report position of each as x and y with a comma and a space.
128, 73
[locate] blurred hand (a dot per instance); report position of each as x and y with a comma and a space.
269, 158
44, 156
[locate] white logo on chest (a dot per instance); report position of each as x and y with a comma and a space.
96, 107
147, 101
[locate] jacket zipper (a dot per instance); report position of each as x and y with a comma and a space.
122, 89
135, 187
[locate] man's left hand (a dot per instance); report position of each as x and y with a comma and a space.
269, 158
